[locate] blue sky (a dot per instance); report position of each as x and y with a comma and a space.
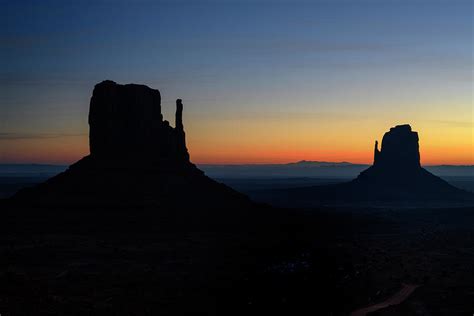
283, 65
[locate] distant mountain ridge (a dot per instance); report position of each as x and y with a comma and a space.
317, 163
303, 168
315, 169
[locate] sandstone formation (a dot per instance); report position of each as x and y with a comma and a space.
399, 157
135, 216
396, 178
136, 158
397, 173
400, 150
126, 124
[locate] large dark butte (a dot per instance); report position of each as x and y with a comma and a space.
134, 227
136, 158
396, 178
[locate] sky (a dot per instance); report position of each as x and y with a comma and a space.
261, 81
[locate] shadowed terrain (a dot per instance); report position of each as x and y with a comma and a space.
135, 228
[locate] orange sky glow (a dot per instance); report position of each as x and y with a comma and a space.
236, 145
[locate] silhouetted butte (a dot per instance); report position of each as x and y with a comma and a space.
396, 177
136, 158
137, 201
397, 173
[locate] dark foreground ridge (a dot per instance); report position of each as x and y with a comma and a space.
395, 178
136, 158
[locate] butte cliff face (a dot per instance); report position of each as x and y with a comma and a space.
398, 161
400, 149
135, 158
126, 124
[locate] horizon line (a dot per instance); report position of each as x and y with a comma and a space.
245, 164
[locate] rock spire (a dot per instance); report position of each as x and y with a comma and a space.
126, 123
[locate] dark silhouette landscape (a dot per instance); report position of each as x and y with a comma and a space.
396, 179
135, 228
135, 158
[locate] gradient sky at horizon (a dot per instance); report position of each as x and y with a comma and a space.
261, 81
